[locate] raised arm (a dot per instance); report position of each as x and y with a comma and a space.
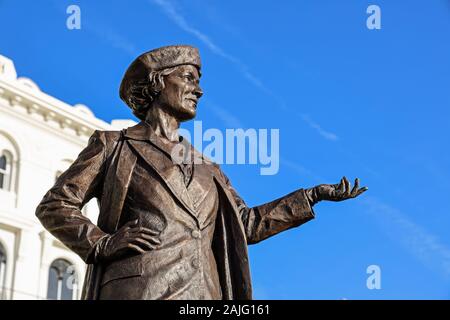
264, 221
292, 210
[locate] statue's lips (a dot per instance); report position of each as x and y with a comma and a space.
194, 101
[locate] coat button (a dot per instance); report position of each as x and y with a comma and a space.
195, 234
195, 263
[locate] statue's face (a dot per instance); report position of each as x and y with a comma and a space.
181, 93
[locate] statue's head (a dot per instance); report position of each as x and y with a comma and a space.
166, 77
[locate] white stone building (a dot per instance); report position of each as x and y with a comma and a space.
40, 136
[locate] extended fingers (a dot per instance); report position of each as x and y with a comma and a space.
341, 186
144, 230
356, 191
133, 237
362, 190
135, 248
346, 187
152, 239
144, 236
143, 243
344, 190
355, 188
129, 225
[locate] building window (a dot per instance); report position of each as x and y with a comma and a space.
62, 282
2, 272
9, 158
5, 170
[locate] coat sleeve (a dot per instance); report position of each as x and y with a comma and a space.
60, 209
266, 220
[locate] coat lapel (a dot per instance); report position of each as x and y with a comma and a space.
230, 248
144, 142
117, 180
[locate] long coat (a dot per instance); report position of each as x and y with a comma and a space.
104, 169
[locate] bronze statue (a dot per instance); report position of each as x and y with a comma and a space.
166, 230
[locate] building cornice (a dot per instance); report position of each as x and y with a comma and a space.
49, 109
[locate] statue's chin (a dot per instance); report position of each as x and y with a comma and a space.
184, 113
186, 116
186, 119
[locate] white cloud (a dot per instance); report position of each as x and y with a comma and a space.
302, 171
226, 117
422, 244
171, 11
324, 133
113, 38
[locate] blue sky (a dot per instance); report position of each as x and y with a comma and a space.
372, 104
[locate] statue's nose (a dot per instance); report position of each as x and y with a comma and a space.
198, 92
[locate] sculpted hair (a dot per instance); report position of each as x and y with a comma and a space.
142, 93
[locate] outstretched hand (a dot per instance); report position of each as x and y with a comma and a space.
335, 192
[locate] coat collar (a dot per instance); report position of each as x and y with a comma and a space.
144, 132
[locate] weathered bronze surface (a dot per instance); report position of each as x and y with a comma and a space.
166, 230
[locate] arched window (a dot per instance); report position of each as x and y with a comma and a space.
5, 170
9, 159
2, 272
62, 281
